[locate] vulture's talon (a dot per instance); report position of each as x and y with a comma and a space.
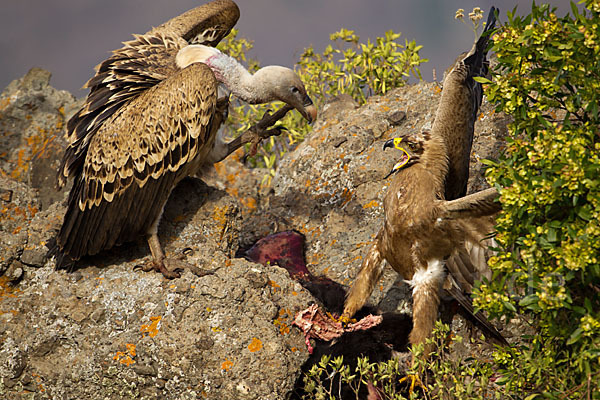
138, 267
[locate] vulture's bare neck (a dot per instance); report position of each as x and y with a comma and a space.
249, 88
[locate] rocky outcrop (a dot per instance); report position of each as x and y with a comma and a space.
109, 330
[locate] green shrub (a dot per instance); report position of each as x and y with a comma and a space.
332, 379
359, 70
444, 376
548, 79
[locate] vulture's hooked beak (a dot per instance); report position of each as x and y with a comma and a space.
395, 142
309, 111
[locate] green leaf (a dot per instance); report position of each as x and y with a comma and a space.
481, 79
575, 336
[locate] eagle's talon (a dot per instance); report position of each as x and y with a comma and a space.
415, 380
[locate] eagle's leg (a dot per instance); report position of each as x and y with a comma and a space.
367, 278
426, 284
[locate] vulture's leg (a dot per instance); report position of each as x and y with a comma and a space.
258, 131
367, 278
158, 259
161, 263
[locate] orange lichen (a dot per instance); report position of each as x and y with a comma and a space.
6, 289
226, 365
220, 215
4, 103
274, 285
372, 203
255, 345
250, 202
352, 260
346, 197
152, 328
124, 358
130, 349
282, 321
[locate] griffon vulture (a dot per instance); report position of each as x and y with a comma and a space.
151, 119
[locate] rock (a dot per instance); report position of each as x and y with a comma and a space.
337, 107
18, 206
107, 331
33, 115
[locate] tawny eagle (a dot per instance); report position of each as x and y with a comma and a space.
428, 224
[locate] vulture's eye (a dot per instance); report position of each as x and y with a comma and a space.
295, 90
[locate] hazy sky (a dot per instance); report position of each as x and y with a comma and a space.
69, 37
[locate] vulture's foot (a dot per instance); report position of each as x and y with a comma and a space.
171, 268
161, 266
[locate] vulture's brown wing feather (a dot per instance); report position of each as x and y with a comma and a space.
136, 157
480, 204
206, 24
136, 67
140, 64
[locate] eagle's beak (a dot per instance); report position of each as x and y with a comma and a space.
309, 111
388, 143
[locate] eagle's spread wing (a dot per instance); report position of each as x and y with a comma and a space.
458, 109
482, 203
136, 157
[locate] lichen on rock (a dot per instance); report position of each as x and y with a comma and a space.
109, 331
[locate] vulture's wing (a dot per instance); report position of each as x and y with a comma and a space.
206, 24
136, 157
139, 65
482, 203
